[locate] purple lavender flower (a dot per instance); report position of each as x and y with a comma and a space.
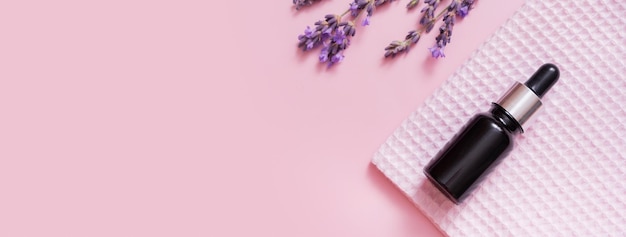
309, 39
333, 52
456, 8
349, 28
326, 34
428, 19
323, 30
324, 54
337, 58
354, 9
381, 2
332, 21
308, 32
437, 51
412, 4
339, 38
357, 6
334, 32
445, 31
303, 3
369, 9
396, 47
462, 11
366, 21
448, 18
464, 8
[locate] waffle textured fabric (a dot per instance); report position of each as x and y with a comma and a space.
567, 173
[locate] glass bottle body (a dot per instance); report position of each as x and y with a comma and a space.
473, 152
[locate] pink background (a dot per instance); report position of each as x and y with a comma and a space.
201, 118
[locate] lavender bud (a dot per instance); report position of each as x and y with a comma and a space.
330, 19
337, 58
453, 5
334, 48
464, 8
303, 3
326, 34
412, 4
396, 47
366, 21
428, 18
462, 11
381, 2
335, 34
393, 45
413, 36
437, 51
354, 9
445, 31
349, 29
324, 54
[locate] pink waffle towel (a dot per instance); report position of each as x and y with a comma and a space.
567, 173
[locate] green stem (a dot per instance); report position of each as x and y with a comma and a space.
434, 20
344, 13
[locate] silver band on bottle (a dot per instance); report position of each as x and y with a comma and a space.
521, 103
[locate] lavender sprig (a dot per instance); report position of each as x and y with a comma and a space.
428, 19
303, 3
426, 24
323, 30
445, 31
335, 32
458, 8
397, 46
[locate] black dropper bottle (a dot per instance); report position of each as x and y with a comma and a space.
488, 137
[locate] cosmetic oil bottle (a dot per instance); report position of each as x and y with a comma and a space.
488, 137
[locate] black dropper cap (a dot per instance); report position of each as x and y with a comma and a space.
543, 79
